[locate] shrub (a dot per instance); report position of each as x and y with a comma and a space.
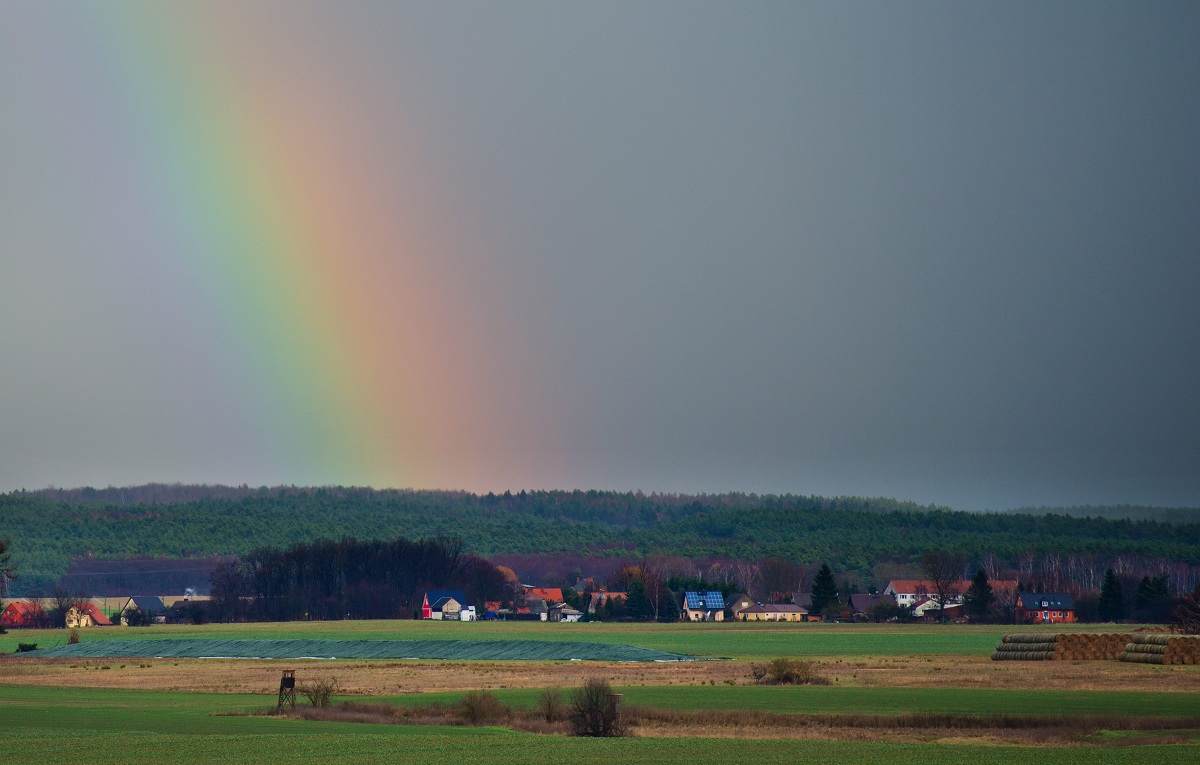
23, 647
595, 710
74, 637
482, 708
784, 671
550, 705
319, 691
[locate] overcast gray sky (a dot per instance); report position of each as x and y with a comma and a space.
939, 251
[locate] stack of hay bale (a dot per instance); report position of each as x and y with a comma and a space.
1162, 649
1071, 646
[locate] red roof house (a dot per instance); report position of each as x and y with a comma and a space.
24, 613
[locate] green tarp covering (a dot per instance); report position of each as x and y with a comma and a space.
468, 650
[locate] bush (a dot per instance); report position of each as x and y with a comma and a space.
550, 705
595, 710
482, 708
319, 691
785, 671
74, 637
24, 647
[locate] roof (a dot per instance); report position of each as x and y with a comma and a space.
147, 604
601, 597
24, 607
802, 599
861, 602
97, 616
433, 596
704, 601
735, 597
1035, 601
776, 608
441, 603
908, 586
552, 594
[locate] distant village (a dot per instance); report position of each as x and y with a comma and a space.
901, 600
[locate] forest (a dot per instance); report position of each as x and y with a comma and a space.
859, 537
324, 580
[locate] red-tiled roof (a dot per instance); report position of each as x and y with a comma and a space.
20, 612
98, 617
551, 594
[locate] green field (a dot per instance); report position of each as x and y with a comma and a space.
47, 725
733, 640
886, 700
69, 725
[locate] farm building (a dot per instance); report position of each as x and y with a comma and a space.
150, 605
703, 606
444, 605
1044, 607
774, 612
861, 603
561, 612
551, 595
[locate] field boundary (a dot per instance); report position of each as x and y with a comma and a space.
450, 650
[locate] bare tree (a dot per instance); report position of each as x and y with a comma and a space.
780, 579
61, 603
1186, 616
944, 575
7, 569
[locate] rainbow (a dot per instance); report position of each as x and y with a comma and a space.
319, 268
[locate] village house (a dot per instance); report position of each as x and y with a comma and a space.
703, 606
150, 605
1045, 607
774, 612
24, 613
86, 615
861, 603
736, 603
912, 592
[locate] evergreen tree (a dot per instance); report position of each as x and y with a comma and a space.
979, 598
1112, 600
638, 605
1153, 599
824, 591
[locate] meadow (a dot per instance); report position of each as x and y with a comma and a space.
708, 640
193, 711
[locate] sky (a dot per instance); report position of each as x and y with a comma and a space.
942, 252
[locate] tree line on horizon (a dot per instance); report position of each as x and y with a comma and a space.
862, 539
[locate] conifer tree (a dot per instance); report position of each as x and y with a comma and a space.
979, 598
1112, 599
824, 591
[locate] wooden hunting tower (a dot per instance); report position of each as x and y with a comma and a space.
287, 689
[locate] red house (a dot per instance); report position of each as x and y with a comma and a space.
1044, 607
24, 613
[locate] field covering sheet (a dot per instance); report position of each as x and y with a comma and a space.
466, 650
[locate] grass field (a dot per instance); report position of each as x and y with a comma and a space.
821, 699
43, 725
59, 711
733, 640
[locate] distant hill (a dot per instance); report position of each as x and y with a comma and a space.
1177, 515
51, 528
